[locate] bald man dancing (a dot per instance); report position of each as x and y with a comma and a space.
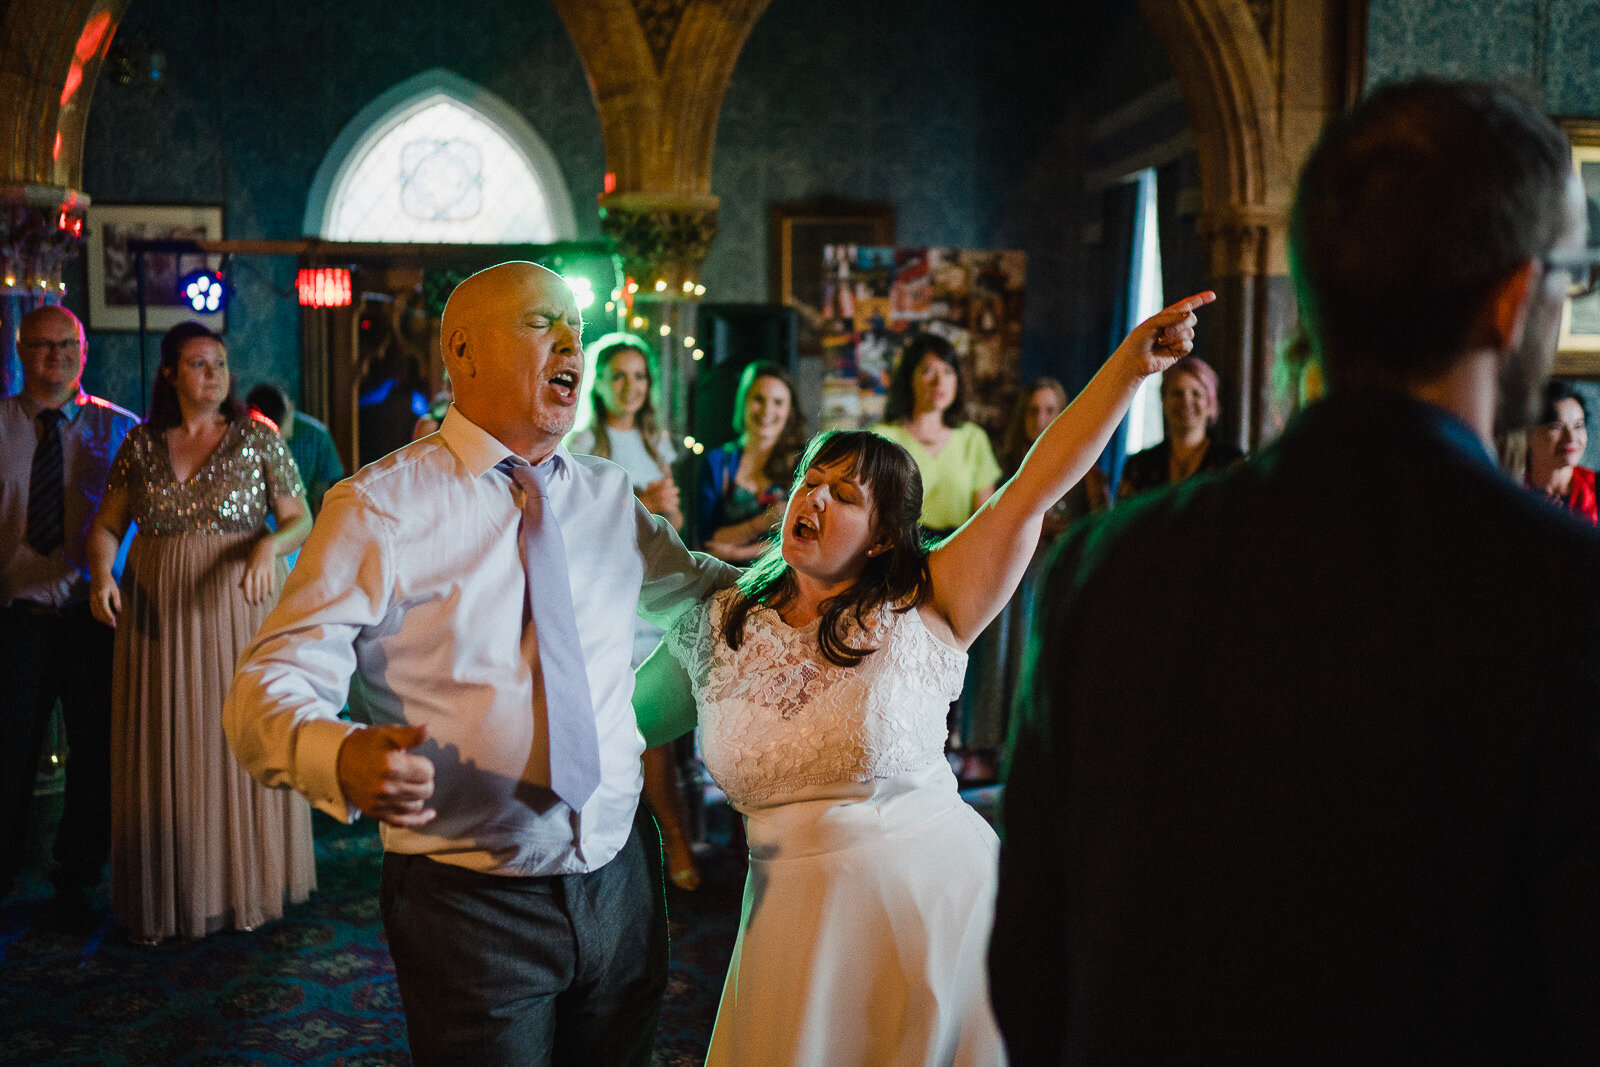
474, 595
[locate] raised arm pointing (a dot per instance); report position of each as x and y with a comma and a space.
978, 568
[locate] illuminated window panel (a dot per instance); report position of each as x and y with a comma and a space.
439, 171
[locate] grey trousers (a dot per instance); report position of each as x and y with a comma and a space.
567, 969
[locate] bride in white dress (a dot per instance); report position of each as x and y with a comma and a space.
822, 682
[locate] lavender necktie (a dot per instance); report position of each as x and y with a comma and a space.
569, 709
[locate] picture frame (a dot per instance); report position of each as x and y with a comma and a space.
113, 284
798, 233
1578, 354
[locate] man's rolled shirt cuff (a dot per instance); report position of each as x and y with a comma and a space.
316, 762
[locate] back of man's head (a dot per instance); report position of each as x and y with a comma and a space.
270, 401
1412, 207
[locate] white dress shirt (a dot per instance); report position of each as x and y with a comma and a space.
410, 597
91, 432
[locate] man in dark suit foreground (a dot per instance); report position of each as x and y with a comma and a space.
1309, 767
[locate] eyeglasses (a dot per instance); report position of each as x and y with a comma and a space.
69, 345
1584, 268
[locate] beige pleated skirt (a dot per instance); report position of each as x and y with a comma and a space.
197, 844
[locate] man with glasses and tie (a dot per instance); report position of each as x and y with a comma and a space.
56, 446
473, 594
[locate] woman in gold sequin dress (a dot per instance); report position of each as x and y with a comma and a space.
197, 844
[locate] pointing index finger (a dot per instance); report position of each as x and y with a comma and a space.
1189, 303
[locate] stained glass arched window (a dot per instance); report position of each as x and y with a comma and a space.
438, 159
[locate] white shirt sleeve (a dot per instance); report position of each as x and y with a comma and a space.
675, 579
282, 712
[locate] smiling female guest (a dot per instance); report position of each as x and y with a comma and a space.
1556, 445
623, 428
742, 484
197, 845
823, 680
1189, 409
926, 414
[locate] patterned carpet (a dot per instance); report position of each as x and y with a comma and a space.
316, 987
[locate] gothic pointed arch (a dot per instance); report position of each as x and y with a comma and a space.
438, 158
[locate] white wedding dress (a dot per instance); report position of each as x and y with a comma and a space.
867, 911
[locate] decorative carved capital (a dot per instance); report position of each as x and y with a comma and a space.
1245, 241
1263, 11
663, 240
659, 19
41, 227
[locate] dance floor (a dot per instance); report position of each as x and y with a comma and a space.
316, 987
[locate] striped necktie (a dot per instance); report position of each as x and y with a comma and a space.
46, 495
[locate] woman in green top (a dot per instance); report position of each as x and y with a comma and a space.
926, 414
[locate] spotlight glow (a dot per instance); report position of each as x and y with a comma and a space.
582, 290
203, 291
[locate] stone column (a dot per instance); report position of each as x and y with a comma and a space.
658, 69
1254, 310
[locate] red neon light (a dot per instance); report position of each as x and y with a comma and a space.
74, 79
611, 181
324, 287
89, 42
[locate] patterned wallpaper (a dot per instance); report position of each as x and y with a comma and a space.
967, 118
1547, 47
964, 116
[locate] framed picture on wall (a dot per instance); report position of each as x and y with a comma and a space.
113, 269
1579, 352
799, 233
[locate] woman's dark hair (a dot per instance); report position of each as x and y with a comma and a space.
786, 450
605, 350
1014, 446
898, 576
900, 404
165, 411
1555, 391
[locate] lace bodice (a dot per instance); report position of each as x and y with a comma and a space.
232, 492
778, 721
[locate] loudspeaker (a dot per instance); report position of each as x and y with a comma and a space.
733, 336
